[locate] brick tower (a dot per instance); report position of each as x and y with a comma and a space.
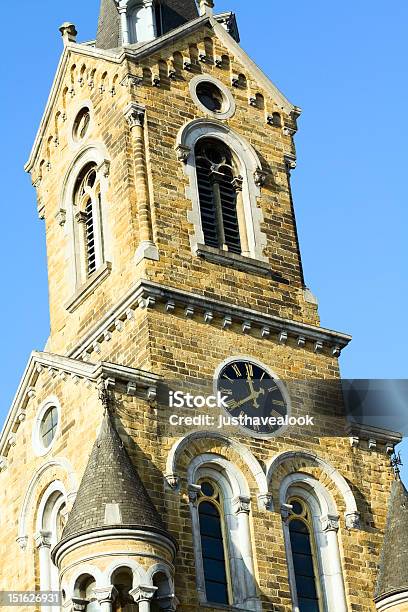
162, 169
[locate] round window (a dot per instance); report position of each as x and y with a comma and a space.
210, 96
81, 124
48, 426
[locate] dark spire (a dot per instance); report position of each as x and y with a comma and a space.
170, 13
111, 493
393, 573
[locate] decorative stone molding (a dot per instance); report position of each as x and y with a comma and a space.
288, 131
208, 316
265, 501
22, 542
372, 444
143, 593
286, 512
42, 539
260, 177
353, 520
301, 341
68, 33
172, 481
227, 322
150, 293
135, 115
132, 81
318, 347
330, 523
290, 162
283, 337
79, 605
61, 217
3, 464
193, 493
241, 504
246, 327
265, 331
373, 436
105, 594
104, 168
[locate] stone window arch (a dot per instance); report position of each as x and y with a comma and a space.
231, 513
310, 526
84, 593
241, 178
51, 518
83, 214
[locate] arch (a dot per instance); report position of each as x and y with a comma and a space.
333, 474
89, 153
83, 570
140, 576
323, 526
28, 502
245, 454
250, 169
232, 473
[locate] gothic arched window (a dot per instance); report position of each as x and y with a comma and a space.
213, 545
219, 186
87, 202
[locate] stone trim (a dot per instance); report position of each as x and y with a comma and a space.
89, 287
239, 262
392, 601
147, 294
97, 374
230, 104
373, 436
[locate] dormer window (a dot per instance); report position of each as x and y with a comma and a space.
141, 17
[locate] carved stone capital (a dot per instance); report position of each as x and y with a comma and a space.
105, 594
22, 541
135, 115
193, 493
80, 217
42, 539
61, 217
241, 504
132, 80
237, 183
286, 512
104, 168
78, 605
143, 593
353, 520
290, 162
330, 523
183, 153
172, 480
265, 501
260, 177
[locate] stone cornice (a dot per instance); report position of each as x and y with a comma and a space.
102, 373
148, 294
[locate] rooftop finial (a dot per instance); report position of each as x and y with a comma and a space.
68, 32
206, 7
396, 463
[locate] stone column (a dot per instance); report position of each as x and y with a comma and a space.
237, 183
124, 24
143, 595
242, 506
135, 116
43, 544
105, 596
334, 585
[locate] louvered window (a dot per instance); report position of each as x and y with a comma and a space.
87, 201
218, 195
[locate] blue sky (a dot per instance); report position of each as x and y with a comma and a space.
344, 64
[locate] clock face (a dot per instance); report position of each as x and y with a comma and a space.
254, 397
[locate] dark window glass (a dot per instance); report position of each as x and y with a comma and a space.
90, 238
304, 568
218, 197
210, 96
212, 546
207, 489
49, 426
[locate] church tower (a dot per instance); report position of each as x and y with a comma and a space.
162, 167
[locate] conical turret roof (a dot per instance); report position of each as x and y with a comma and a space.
173, 14
111, 493
393, 574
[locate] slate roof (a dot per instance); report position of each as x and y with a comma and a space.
111, 493
174, 14
393, 573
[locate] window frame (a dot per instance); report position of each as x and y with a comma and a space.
252, 174
39, 448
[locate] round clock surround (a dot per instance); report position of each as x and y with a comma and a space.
255, 391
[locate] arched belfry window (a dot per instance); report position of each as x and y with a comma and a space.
213, 544
304, 557
221, 205
141, 20
87, 204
